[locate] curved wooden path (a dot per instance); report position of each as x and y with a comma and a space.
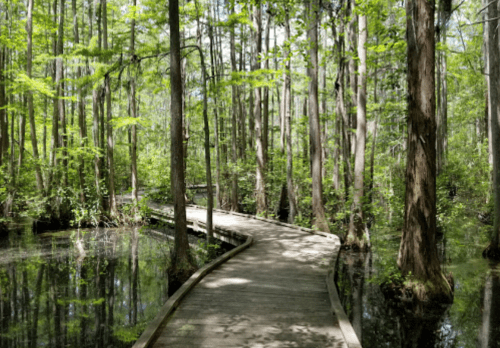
273, 294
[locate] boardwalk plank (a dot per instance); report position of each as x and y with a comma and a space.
271, 295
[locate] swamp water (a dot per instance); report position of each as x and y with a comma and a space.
53, 295
472, 321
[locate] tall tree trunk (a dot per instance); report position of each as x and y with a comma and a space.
218, 196
260, 184
241, 95
4, 133
342, 112
206, 129
208, 166
352, 75
305, 139
251, 104
56, 77
493, 250
95, 136
111, 167
234, 117
323, 113
133, 111
22, 132
81, 109
356, 235
109, 117
287, 116
418, 252
319, 220
374, 140
338, 40
61, 102
29, 63
265, 101
182, 265
488, 112
442, 90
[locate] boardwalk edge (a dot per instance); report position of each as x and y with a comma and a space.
150, 333
348, 332
350, 336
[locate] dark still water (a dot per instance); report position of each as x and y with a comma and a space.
92, 288
472, 321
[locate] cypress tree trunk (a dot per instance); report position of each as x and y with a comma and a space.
31, 114
182, 265
260, 184
218, 196
234, 117
95, 136
4, 133
22, 132
287, 115
493, 250
109, 117
351, 33
356, 236
418, 252
318, 209
61, 103
133, 111
265, 102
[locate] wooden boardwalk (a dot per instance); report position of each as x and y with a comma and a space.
273, 294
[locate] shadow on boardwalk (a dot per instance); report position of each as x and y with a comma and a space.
271, 295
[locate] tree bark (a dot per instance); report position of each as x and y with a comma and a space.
323, 113
418, 253
95, 136
208, 166
55, 124
109, 117
22, 132
133, 110
493, 250
234, 117
319, 220
4, 133
182, 265
287, 115
61, 103
260, 184
352, 75
340, 110
442, 93
265, 102
218, 196
29, 63
358, 236
81, 109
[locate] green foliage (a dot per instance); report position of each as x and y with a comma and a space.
160, 195
129, 334
205, 252
136, 211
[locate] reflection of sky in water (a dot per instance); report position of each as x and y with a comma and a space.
472, 321
53, 295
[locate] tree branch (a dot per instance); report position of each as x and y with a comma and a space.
479, 22
486, 6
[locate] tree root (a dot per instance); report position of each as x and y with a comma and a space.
178, 275
412, 294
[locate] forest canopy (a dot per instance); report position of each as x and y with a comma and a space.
307, 104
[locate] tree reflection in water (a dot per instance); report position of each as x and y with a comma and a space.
52, 295
489, 336
379, 323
